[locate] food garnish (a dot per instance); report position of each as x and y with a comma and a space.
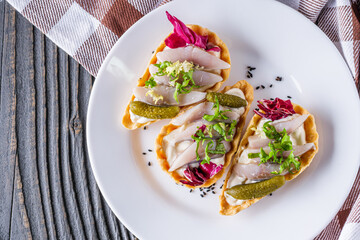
204, 133
256, 190
199, 175
153, 112
176, 71
183, 35
275, 110
280, 144
227, 100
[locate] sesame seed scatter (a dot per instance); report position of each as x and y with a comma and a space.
152, 52
289, 97
149, 150
270, 194
145, 128
149, 164
262, 86
271, 85
257, 87
271, 99
144, 153
278, 78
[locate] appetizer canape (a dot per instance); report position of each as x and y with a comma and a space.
188, 63
196, 147
279, 143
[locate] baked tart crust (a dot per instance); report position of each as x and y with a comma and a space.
306, 158
160, 151
212, 38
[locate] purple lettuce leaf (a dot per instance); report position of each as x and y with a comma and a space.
183, 35
199, 175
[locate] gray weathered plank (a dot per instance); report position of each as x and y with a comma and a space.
47, 189
8, 141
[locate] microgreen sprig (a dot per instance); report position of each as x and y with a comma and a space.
280, 144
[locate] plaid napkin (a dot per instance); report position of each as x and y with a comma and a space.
100, 23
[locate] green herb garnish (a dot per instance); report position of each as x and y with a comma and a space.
226, 132
218, 114
176, 71
150, 83
280, 144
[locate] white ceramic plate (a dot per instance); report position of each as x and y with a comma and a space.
276, 40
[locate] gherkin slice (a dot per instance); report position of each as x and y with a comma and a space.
226, 99
154, 112
256, 190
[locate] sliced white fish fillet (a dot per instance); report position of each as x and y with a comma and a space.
256, 142
201, 78
192, 54
197, 112
183, 133
189, 155
168, 96
255, 171
290, 125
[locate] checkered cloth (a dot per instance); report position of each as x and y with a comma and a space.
87, 30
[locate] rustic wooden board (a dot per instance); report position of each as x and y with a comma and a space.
47, 189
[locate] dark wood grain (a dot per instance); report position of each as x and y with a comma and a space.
47, 189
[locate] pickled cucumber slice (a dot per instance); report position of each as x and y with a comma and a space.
154, 112
226, 99
256, 190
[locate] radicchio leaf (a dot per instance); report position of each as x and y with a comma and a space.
183, 35
199, 175
275, 110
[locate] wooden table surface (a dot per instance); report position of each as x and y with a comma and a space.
47, 188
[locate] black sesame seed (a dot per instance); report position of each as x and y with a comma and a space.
213, 192
208, 190
262, 86
271, 99
270, 194
201, 195
149, 150
257, 87
191, 190
270, 85
145, 128
204, 193
256, 109
221, 186
152, 52
144, 153
289, 96
149, 163
278, 78
250, 68
249, 74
